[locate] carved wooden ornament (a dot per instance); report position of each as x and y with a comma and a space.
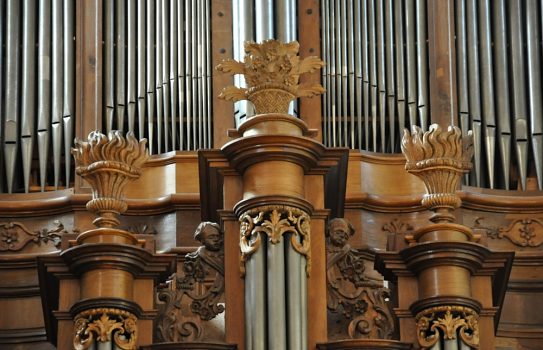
105, 325
272, 70
448, 322
107, 163
274, 221
438, 158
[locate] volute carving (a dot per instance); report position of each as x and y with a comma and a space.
362, 301
447, 322
274, 221
105, 325
199, 288
108, 163
272, 70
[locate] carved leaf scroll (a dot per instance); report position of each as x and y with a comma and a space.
105, 325
14, 236
523, 232
274, 221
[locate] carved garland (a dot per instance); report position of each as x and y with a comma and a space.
15, 236
448, 321
274, 221
105, 325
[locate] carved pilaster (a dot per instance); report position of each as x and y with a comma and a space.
274, 221
105, 325
447, 322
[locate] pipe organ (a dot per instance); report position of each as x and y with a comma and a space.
157, 67
377, 81
273, 204
38, 114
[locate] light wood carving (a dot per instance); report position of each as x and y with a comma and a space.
105, 325
274, 221
447, 322
439, 158
108, 163
272, 70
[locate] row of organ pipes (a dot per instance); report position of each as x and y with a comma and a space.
157, 67
376, 77
157, 79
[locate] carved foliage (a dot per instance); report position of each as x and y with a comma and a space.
200, 287
362, 301
104, 325
523, 232
274, 221
15, 236
272, 70
448, 322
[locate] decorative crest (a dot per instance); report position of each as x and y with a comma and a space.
107, 163
272, 71
439, 158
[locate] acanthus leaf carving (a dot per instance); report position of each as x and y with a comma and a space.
272, 72
447, 322
274, 221
104, 325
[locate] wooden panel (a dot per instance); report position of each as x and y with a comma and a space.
309, 32
221, 40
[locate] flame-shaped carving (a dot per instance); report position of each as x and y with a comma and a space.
108, 163
272, 72
439, 158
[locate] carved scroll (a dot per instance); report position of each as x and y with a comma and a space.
195, 295
363, 302
523, 232
105, 325
274, 221
14, 236
447, 322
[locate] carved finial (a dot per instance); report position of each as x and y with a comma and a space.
439, 158
107, 164
272, 70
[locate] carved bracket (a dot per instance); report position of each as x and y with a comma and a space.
15, 236
105, 325
523, 232
447, 322
363, 302
274, 221
200, 287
